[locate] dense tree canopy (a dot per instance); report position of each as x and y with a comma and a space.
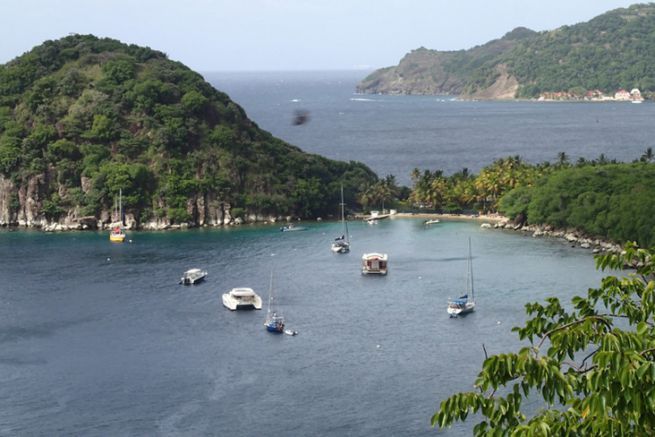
125, 117
592, 363
612, 201
464, 191
599, 197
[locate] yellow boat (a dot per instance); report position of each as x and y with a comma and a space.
117, 235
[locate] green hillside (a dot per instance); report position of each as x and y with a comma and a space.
612, 51
83, 117
612, 201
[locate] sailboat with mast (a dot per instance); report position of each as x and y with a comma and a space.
466, 303
117, 235
274, 321
342, 244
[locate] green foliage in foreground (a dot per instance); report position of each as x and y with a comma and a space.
593, 366
612, 201
85, 117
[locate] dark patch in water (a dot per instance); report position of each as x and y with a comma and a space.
17, 333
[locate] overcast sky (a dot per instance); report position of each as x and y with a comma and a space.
245, 35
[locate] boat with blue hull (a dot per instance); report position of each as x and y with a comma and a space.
465, 303
274, 321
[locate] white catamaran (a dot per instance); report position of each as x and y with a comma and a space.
466, 303
342, 244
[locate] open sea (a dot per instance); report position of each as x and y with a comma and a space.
99, 338
395, 134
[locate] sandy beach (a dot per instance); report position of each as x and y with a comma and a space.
490, 218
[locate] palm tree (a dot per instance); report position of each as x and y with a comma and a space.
648, 155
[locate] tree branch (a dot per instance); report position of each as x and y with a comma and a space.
587, 357
568, 325
579, 369
622, 316
647, 351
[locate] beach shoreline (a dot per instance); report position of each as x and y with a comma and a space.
572, 237
491, 218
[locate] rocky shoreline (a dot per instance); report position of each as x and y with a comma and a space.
92, 223
570, 236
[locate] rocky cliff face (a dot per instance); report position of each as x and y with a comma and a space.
475, 73
30, 197
419, 72
504, 87
8, 206
23, 205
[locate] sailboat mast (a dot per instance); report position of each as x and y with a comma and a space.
120, 205
343, 216
471, 271
270, 294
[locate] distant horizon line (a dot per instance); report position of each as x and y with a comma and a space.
290, 70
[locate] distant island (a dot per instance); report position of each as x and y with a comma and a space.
600, 60
84, 118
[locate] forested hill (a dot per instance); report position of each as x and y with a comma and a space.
612, 51
84, 117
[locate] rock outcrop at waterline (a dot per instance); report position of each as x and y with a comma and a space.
570, 236
84, 118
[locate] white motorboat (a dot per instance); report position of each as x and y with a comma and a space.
466, 303
375, 217
242, 299
374, 263
193, 276
291, 228
431, 222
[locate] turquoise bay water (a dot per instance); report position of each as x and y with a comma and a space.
99, 339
